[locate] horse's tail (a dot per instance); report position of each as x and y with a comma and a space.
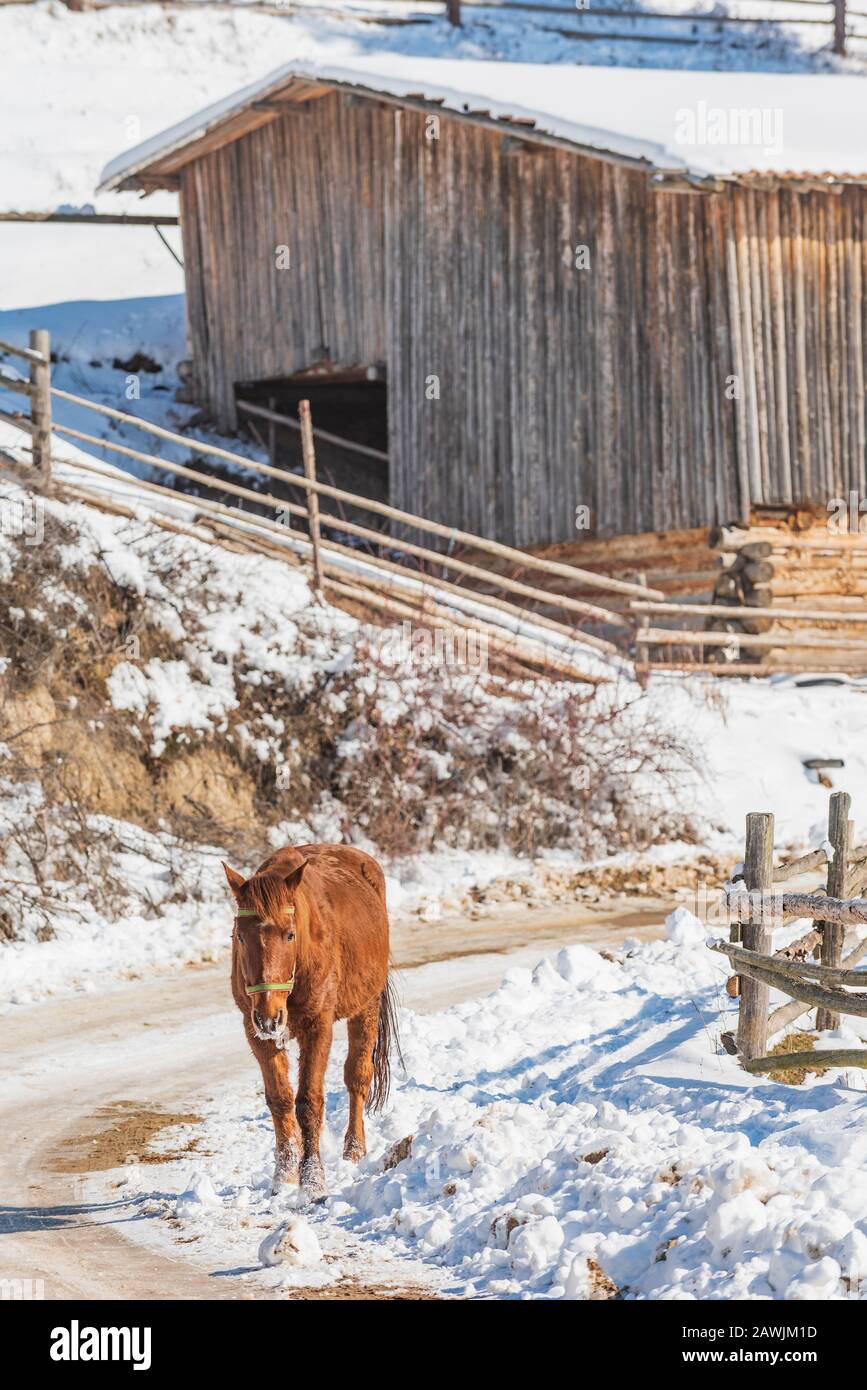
386, 1037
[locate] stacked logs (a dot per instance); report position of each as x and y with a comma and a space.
745, 580
680, 565
716, 584
796, 565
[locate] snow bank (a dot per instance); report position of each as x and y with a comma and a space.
577, 1134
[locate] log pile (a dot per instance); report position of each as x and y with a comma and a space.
786, 593
806, 584
680, 565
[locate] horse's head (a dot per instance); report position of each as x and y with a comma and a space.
269, 921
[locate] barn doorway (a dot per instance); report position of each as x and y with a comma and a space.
350, 422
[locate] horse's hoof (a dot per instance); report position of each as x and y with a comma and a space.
354, 1150
313, 1180
285, 1170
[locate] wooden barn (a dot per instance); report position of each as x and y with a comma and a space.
538, 297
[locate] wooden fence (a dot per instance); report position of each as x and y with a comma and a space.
371, 577
757, 905
809, 615
641, 26
844, 24
37, 388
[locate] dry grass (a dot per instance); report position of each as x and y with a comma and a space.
795, 1042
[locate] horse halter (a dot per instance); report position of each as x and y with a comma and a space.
257, 989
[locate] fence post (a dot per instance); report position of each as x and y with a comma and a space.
309, 455
40, 402
758, 876
833, 933
840, 27
453, 11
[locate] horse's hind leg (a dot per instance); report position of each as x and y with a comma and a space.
281, 1102
358, 1074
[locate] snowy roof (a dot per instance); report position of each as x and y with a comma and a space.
699, 125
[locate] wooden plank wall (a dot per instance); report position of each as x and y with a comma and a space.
307, 181
798, 282
559, 386
454, 258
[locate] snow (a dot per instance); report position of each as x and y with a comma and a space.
200, 1195
293, 1243
684, 928
579, 1132
669, 121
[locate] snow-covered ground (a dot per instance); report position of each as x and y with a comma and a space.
577, 1134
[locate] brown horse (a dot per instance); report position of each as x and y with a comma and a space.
310, 945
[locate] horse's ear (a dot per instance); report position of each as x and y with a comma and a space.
292, 877
235, 880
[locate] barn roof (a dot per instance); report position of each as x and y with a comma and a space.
698, 126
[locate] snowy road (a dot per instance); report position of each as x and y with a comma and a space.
162, 1042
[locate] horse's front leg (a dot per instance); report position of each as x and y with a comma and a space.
281, 1102
314, 1047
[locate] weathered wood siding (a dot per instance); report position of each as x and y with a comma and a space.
710, 357
559, 386
315, 182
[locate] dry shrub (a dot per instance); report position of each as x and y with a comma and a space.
794, 1042
70, 760
441, 756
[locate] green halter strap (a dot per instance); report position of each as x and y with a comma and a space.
257, 989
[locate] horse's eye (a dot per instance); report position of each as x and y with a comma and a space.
290, 936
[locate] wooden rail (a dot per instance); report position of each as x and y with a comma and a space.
452, 534
225, 485
716, 610
271, 537
520, 635
99, 219
274, 417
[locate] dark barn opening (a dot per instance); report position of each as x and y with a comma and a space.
350, 421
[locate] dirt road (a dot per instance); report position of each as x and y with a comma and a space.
161, 1042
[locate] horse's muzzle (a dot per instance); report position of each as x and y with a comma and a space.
271, 1027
